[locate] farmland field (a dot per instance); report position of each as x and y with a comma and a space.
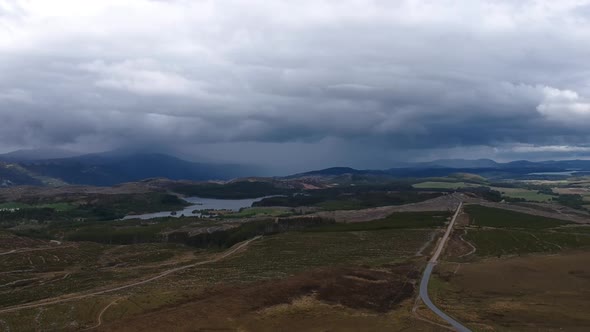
525, 194
260, 212
443, 185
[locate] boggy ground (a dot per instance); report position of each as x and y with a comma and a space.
526, 293
338, 298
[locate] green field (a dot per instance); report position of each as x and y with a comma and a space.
443, 185
259, 212
525, 194
491, 217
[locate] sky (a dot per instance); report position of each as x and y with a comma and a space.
297, 85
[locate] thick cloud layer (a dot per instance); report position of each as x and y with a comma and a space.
408, 79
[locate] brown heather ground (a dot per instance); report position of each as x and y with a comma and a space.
329, 299
527, 293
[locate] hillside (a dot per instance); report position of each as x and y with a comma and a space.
440, 168
108, 169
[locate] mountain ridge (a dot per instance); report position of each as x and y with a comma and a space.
107, 169
444, 167
115, 167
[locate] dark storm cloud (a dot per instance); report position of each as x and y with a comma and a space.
404, 75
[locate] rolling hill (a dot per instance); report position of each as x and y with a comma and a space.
107, 169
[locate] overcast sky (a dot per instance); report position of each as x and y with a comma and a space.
298, 84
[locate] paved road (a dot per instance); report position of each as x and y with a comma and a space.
428, 271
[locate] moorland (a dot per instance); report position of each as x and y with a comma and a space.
337, 249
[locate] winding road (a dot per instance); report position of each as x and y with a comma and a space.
428, 271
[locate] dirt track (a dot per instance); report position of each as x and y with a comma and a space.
101, 313
72, 297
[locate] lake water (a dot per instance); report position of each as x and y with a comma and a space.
200, 204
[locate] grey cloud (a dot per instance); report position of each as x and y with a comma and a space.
392, 76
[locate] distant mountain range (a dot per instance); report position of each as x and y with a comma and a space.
445, 167
107, 169
37, 154
556, 165
33, 167
450, 163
